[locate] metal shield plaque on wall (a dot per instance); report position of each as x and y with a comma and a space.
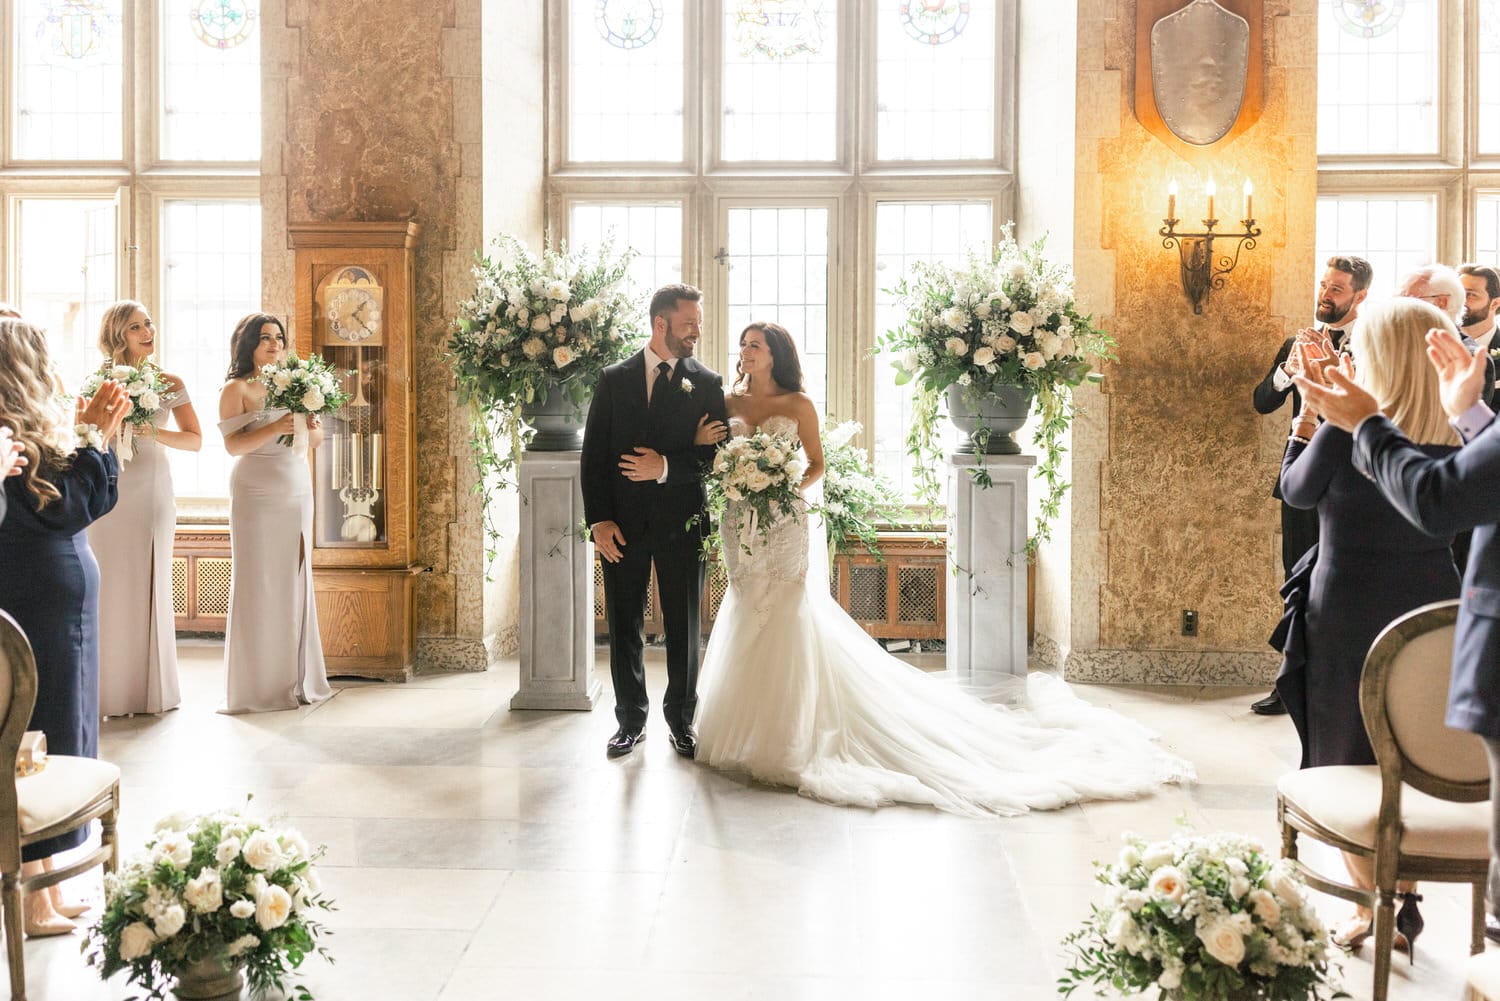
1200, 64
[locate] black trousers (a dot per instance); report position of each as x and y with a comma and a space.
679, 577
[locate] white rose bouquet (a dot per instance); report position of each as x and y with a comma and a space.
763, 472
304, 386
148, 390
222, 887
1205, 918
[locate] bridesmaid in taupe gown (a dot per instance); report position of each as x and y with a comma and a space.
138, 658
273, 652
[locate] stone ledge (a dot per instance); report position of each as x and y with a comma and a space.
437, 654
1170, 667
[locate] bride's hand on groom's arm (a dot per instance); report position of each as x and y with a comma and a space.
608, 540
710, 431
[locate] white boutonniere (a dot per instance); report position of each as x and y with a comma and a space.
686, 385
1495, 354
89, 436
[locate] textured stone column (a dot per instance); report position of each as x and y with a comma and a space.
986, 552
557, 588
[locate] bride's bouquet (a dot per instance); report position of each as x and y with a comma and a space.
762, 472
148, 390
303, 386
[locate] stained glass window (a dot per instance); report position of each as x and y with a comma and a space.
625, 89
778, 271
935, 80
780, 80
905, 233
1395, 233
69, 80
210, 271
653, 231
211, 80
67, 275
1377, 89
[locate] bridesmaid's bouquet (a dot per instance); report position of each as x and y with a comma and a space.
303, 386
148, 390
762, 471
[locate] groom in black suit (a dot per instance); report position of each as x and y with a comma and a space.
644, 501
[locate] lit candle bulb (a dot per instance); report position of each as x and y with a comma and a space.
1172, 200
1249, 199
1210, 192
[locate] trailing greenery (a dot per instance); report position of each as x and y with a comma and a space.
1009, 320
856, 499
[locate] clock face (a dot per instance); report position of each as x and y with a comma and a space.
354, 314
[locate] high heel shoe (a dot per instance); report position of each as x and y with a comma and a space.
1409, 923
1351, 935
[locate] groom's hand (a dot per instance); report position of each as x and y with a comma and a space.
644, 465
607, 539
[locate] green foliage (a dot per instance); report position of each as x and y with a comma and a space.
856, 499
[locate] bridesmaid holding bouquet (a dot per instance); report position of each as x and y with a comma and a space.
272, 648
138, 664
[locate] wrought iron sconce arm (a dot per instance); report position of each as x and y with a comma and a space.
1201, 274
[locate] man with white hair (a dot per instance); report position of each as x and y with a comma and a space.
1441, 286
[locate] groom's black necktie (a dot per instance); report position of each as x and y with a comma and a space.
659, 387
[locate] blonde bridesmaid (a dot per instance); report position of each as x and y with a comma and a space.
273, 652
138, 659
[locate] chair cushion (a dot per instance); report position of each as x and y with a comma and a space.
61, 789
1483, 973
1346, 800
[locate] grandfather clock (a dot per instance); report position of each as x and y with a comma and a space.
355, 293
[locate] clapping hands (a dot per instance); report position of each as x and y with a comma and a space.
106, 409
12, 455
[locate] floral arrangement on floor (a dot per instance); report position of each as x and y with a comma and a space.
1202, 917
1011, 320
221, 886
531, 325
762, 471
856, 499
304, 386
148, 390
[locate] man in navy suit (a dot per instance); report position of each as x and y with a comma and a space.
643, 498
1443, 496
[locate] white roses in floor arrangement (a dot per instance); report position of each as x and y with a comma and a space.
1205, 917
304, 386
222, 886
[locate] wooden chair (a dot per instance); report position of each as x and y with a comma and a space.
69, 793
1421, 811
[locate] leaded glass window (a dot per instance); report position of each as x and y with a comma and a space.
1378, 77
211, 80
1395, 233
625, 80
69, 80
935, 80
652, 231
780, 80
67, 276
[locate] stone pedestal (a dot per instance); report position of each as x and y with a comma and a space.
557, 588
987, 565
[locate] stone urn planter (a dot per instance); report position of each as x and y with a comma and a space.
557, 420
210, 980
986, 421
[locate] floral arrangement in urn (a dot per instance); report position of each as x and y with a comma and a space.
1009, 322
537, 328
1202, 918
221, 891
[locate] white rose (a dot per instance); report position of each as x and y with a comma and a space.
273, 907
983, 356
733, 493
523, 315
1005, 342
775, 455
954, 318
562, 356
205, 892
1021, 322
1284, 886
541, 323
557, 290
262, 851
1129, 857
1051, 345
956, 346
136, 941
1238, 887
174, 821
1033, 360
149, 400
242, 908
281, 380
121, 372
1223, 941
313, 400
136, 388
227, 850
1133, 900
1168, 883
171, 921
965, 379
1266, 907
175, 848
982, 310
534, 348
1170, 979
795, 468
758, 480
1121, 930
242, 945
911, 360
558, 312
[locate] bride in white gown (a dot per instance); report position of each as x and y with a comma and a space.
795, 693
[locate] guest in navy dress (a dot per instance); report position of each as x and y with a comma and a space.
49, 582
1371, 565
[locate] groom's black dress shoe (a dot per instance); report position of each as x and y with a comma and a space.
686, 743
624, 741
1271, 705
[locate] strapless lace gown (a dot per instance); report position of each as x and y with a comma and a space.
795, 693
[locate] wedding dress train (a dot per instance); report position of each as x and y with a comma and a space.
795, 693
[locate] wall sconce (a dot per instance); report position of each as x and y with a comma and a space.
1200, 273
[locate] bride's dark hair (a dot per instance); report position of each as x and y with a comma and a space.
786, 368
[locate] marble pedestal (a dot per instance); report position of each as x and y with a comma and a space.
987, 566
557, 588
